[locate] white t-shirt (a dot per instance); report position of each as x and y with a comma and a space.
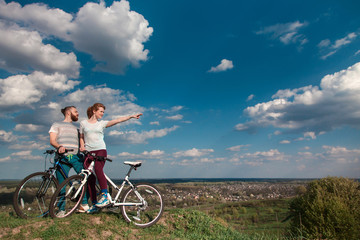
93, 134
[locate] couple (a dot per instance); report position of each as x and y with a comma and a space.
65, 135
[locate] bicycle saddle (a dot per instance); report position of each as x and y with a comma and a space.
134, 164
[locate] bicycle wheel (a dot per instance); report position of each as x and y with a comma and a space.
32, 196
67, 197
145, 213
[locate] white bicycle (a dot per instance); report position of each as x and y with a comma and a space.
140, 204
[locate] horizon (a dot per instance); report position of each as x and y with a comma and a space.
227, 90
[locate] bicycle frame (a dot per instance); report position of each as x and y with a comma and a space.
87, 172
51, 171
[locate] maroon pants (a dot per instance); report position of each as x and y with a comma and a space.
99, 171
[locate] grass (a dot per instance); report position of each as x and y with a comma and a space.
258, 219
175, 224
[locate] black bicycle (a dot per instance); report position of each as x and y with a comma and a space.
32, 196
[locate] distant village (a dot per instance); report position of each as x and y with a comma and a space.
193, 193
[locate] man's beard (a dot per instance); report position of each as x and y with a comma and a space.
74, 118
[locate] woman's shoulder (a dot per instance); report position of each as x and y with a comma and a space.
84, 122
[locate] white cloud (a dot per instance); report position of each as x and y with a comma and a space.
25, 155
344, 41
38, 16
5, 159
286, 33
311, 109
155, 123
32, 145
19, 90
223, 66
28, 127
324, 43
23, 50
285, 142
7, 136
194, 152
341, 154
258, 158
113, 35
136, 137
154, 154
117, 102
175, 117
331, 48
237, 148
250, 97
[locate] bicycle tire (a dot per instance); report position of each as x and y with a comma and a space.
33, 195
63, 198
146, 214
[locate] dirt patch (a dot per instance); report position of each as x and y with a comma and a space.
96, 220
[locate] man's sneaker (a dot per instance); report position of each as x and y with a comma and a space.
60, 214
93, 209
83, 208
104, 201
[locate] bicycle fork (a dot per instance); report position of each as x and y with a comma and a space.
82, 183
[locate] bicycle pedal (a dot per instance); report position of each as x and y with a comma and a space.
137, 219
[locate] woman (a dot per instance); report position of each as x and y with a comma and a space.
92, 140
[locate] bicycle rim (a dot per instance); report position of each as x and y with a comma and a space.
33, 195
64, 202
146, 214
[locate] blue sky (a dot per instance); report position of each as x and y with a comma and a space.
228, 89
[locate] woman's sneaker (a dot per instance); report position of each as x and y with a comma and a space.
104, 201
93, 209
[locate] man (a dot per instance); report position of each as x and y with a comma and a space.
65, 136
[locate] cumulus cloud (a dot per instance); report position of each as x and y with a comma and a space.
28, 128
117, 102
141, 137
7, 137
286, 32
154, 154
39, 17
113, 35
194, 152
31, 145
24, 50
331, 48
311, 109
259, 158
20, 90
341, 154
223, 66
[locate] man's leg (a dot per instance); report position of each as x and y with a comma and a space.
78, 166
60, 178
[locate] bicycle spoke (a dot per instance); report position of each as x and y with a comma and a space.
32, 196
143, 206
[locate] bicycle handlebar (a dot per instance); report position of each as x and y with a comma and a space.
99, 158
52, 151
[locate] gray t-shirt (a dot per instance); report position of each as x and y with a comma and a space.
67, 135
